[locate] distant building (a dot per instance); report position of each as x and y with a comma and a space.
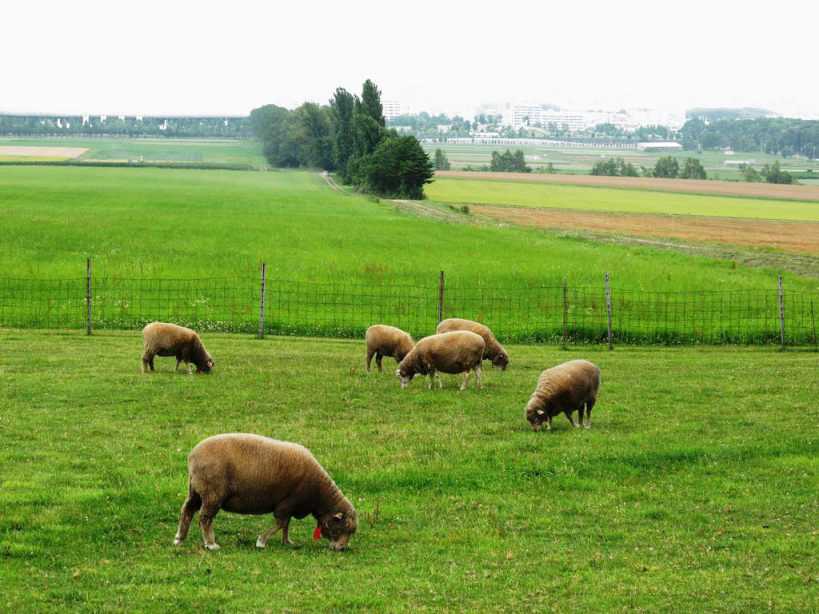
659, 146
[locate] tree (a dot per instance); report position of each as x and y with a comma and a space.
399, 167
269, 124
667, 167
692, 169
441, 161
615, 167
371, 102
342, 105
509, 162
773, 174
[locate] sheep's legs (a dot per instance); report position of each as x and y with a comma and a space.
548, 423
176, 368
206, 515
466, 379
369, 360
378, 358
568, 413
279, 524
589, 406
147, 361
189, 508
479, 375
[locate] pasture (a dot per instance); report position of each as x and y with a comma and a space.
150, 223
695, 489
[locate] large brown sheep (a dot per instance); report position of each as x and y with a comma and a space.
251, 474
494, 350
383, 340
564, 389
162, 339
455, 352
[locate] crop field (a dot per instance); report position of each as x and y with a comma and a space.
110, 149
695, 489
533, 194
580, 160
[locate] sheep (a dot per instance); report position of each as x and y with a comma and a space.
564, 388
385, 340
163, 339
454, 352
494, 350
251, 474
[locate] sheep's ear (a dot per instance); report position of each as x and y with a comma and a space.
338, 516
540, 412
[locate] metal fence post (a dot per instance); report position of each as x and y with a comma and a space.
261, 304
608, 309
781, 313
441, 298
88, 296
565, 312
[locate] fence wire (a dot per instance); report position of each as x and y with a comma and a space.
515, 314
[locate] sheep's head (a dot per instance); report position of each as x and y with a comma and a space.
206, 366
535, 418
404, 376
501, 360
339, 528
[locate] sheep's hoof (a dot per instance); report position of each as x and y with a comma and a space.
587, 426
287, 542
260, 543
213, 546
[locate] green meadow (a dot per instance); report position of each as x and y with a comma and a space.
154, 150
695, 489
151, 222
521, 194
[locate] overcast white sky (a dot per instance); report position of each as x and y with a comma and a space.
173, 57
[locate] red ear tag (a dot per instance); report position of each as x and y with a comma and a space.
317, 533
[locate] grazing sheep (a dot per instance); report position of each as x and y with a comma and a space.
455, 352
564, 388
494, 350
163, 339
251, 474
383, 340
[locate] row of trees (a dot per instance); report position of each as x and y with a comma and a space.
100, 125
666, 167
786, 137
348, 136
770, 173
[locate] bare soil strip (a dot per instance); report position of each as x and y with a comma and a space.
800, 237
42, 152
693, 186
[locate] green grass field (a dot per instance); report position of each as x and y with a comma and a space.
206, 151
520, 194
190, 223
695, 490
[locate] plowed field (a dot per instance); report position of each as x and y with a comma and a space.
788, 236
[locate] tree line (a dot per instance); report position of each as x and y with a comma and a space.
778, 136
666, 167
101, 125
348, 136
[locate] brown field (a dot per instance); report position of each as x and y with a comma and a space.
802, 237
694, 186
46, 153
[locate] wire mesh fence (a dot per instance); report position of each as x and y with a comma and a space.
516, 314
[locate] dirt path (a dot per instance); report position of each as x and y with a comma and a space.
694, 186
